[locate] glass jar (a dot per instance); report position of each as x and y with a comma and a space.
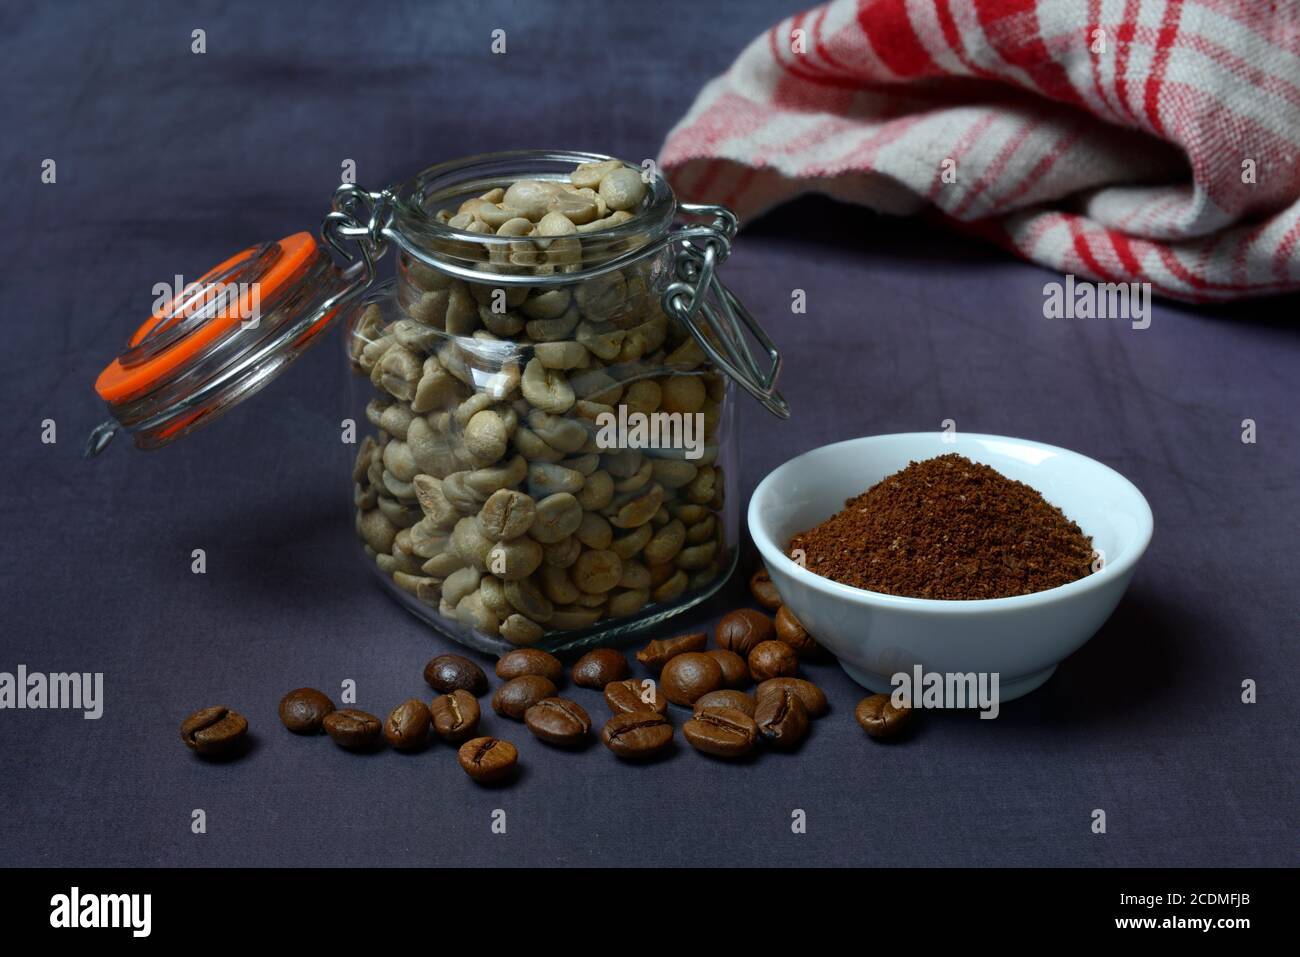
551, 457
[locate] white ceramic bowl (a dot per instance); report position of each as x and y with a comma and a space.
1022, 638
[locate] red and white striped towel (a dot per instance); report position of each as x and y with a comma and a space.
1124, 140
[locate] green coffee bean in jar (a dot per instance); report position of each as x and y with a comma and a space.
553, 458
545, 450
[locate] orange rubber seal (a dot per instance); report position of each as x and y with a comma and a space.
118, 382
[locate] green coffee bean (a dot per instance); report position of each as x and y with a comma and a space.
597, 492
589, 175
493, 591
632, 543
547, 479
622, 189
514, 559
594, 532
563, 434
469, 543
527, 599
521, 630
558, 586
483, 482
627, 602
562, 355
563, 553
472, 611
506, 514
664, 545
460, 583
558, 516
547, 389
486, 436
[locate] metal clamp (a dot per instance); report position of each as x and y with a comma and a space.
359, 220
698, 295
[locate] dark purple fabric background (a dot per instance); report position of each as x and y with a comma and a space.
168, 161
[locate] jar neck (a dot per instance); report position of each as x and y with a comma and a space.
520, 260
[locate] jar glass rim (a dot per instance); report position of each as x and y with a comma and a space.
458, 179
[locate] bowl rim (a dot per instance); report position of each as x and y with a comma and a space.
774, 555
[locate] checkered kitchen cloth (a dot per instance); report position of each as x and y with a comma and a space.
1124, 140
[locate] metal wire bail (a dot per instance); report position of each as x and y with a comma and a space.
701, 301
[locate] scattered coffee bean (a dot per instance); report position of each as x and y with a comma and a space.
352, 729
879, 718
214, 732
742, 629
530, 661
303, 710
791, 631
725, 698
447, 673
658, 653
772, 659
637, 735
722, 732
782, 719
735, 672
488, 760
599, 667
687, 676
407, 727
558, 721
517, 695
455, 716
813, 698
635, 695
763, 590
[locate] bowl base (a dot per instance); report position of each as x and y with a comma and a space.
1007, 690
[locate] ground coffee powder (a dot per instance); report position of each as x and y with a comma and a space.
947, 528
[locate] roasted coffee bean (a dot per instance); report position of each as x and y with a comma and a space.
772, 659
407, 727
782, 719
530, 661
879, 718
735, 671
517, 695
685, 677
599, 667
725, 698
722, 732
558, 721
455, 716
488, 760
634, 695
447, 673
352, 729
791, 631
763, 590
303, 710
214, 732
636, 735
657, 654
742, 629
813, 698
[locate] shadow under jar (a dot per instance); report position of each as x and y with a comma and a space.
549, 382
554, 455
